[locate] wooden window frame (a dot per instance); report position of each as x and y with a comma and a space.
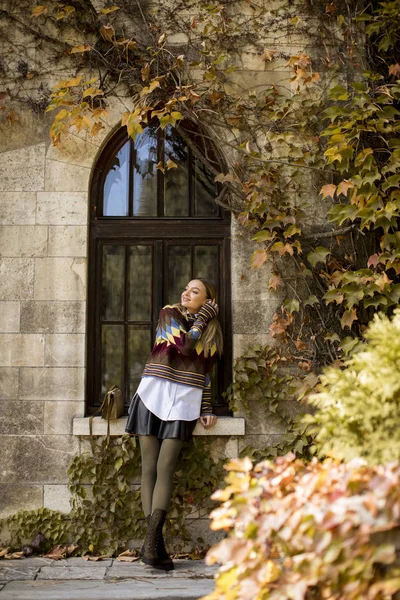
161, 230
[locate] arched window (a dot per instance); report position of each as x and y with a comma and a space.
154, 225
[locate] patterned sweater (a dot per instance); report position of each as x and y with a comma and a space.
178, 353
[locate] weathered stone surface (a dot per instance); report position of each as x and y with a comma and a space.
74, 150
224, 426
253, 316
21, 418
60, 279
75, 573
224, 447
62, 208
55, 383
257, 422
21, 349
64, 177
58, 416
79, 561
67, 240
16, 278
242, 342
159, 589
16, 497
65, 350
36, 459
23, 169
9, 383
53, 316
9, 316
24, 240
258, 441
17, 208
18, 573
56, 497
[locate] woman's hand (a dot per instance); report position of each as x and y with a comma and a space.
208, 421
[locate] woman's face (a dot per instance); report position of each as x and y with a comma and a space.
194, 296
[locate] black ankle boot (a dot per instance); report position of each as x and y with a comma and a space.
147, 523
154, 550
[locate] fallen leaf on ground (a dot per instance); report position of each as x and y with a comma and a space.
128, 556
14, 555
95, 558
60, 551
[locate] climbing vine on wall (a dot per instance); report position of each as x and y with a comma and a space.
105, 499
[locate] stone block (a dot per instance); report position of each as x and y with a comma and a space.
16, 278
21, 418
17, 208
259, 422
253, 316
60, 279
24, 240
56, 497
53, 316
52, 383
9, 316
58, 416
9, 383
62, 208
23, 169
36, 459
65, 177
65, 350
79, 561
68, 240
224, 447
21, 350
74, 150
243, 81
242, 342
18, 573
258, 441
16, 497
74, 573
162, 588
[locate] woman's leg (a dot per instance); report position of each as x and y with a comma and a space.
149, 448
167, 457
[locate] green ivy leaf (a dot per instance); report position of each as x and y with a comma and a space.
318, 255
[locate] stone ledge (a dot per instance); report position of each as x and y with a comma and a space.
224, 426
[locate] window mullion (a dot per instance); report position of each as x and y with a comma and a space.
131, 175
160, 174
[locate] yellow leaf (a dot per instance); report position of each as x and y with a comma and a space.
243, 465
106, 11
39, 10
71, 83
92, 92
153, 85
348, 317
107, 32
161, 39
96, 128
80, 49
171, 164
160, 166
62, 114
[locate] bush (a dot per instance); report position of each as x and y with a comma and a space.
358, 407
304, 532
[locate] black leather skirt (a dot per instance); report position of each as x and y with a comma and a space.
143, 422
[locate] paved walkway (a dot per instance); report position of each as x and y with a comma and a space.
110, 579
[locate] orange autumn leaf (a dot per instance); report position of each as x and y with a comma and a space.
328, 190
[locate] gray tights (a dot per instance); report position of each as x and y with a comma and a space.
158, 467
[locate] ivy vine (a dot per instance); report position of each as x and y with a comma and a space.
105, 499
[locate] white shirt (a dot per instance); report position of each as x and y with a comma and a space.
170, 401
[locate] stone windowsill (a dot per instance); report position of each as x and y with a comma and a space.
224, 426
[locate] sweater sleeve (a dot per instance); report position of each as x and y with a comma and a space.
171, 329
206, 406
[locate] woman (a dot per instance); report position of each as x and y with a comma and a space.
173, 393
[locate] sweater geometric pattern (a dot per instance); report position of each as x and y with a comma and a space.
178, 353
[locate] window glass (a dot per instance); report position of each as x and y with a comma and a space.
140, 283
116, 185
176, 179
179, 271
145, 174
139, 346
112, 357
206, 262
112, 292
205, 191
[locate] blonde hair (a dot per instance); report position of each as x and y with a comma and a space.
212, 334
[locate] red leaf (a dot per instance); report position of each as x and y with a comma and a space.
394, 69
373, 260
274, 282
258, 259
